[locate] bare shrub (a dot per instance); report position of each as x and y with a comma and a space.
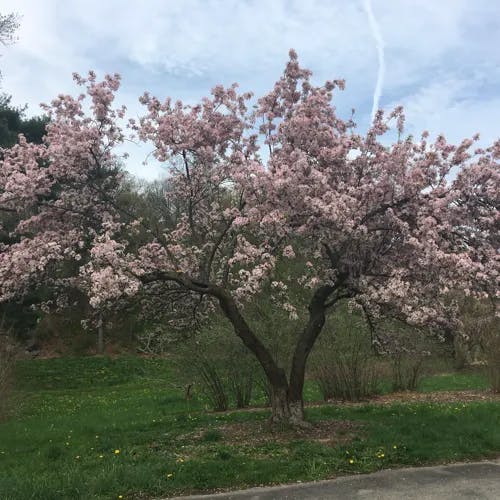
407, 370
221, 368
494, 362
480, 333
155, 340
407, 348
343, 363
350, 378
473, 332
241, 382
263, 385
491, 345
8, 353
213, 384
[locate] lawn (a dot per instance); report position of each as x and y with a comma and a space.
98, 428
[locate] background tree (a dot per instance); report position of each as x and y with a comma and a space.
9, 24
56, 196
384, 226
13, 123
17, 314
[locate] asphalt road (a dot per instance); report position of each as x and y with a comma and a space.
468, 481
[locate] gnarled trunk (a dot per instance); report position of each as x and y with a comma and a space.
287, 407
285, 410
280, 405
286, 398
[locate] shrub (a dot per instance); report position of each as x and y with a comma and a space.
343, 363
407, 348
8, 352
213, 384
407, 370
469, 338
480, 328
264, 387
494, 371
350, 377
241, 387
492, 348
222, 368
219, 366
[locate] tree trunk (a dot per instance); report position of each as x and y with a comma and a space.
286, 410
280, 405
286, 398
317, 317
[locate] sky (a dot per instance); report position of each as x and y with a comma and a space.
437, 58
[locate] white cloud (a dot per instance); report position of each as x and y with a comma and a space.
453, 108
441, 57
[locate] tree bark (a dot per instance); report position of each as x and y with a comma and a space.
286, 411
280, 406
274, 373
316, 321
287, 397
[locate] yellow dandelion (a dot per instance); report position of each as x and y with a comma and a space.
117, 452
169, 475
395, 447
381, 455
351, 460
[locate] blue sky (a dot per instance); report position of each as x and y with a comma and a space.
441, 57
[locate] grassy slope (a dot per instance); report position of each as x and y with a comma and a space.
74, 414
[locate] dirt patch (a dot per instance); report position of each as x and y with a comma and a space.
330, 432
397, 397
426, 397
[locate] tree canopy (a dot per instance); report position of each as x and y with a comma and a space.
13, 123
391, 227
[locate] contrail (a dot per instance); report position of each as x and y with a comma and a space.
379, 43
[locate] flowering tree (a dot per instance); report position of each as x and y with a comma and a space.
56, 197
392, 228
9, 24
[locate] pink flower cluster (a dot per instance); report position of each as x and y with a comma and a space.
384, 225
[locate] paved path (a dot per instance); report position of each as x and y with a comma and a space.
469, 481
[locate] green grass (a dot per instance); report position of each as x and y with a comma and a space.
73, 414
462, 381
459, 381
85, 373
